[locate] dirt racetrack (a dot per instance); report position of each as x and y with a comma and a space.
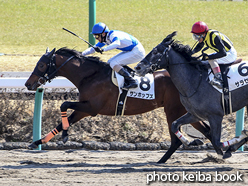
87, 167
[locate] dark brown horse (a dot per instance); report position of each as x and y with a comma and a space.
98, 95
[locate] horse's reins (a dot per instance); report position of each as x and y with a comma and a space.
52, 75
48, 77
155, 66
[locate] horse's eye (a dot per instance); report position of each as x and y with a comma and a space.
41, 65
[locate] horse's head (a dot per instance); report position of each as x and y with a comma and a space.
42, 71
157, 58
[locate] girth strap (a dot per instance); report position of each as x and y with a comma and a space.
226, 96
120, 106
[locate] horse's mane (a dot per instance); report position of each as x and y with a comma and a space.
71, 52
184, 50
68, 52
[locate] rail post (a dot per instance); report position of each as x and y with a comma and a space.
240, 124
92, 19
37, 115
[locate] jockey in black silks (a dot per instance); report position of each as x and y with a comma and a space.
224, 51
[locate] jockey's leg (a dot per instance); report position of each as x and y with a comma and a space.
126, 58
130, 82
217, 81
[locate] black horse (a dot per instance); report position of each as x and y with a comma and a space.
201, 100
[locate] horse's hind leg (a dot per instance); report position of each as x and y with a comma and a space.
233, 148
84, 107
175, 143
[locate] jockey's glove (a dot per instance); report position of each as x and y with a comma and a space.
98, 49
205, 57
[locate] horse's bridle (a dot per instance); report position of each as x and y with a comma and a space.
156, 66
51, 70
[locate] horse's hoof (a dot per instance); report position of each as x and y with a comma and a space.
32, 146
244, 132
160, 162
65, 139
196, 142
227, 155
65, 136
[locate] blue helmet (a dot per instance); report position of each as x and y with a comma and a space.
99, 28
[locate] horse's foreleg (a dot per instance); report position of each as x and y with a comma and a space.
74, 117
47, 138
185, 119
77, 106
215, 125
65, 122
202, 127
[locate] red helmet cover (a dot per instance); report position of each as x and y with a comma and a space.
199, 28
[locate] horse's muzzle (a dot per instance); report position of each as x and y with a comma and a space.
141, 70
30, 87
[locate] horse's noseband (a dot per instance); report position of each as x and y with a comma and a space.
155, 66
51, 70
44, 76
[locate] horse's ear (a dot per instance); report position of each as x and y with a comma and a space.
47, 50
169, 37
168, 43
173, 34
51, 53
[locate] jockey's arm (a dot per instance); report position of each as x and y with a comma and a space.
91, 50
198, 47
115, 44
88, 51
221, 49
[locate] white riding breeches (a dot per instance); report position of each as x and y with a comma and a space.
230, 57
128, 57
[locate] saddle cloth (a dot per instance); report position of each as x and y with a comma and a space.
237, 76
145, 89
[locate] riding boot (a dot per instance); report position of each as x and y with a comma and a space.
217, 81
129, 81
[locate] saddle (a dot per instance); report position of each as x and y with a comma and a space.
113, 76
145, 90
226, 101
121, 101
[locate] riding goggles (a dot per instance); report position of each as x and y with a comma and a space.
197, 37
97, 36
